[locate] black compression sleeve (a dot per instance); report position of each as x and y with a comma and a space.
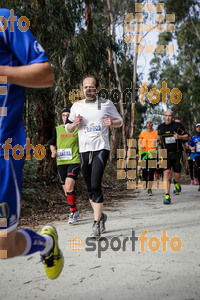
54, 137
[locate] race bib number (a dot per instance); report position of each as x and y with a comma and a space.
93, 129
170, 140
64, 154
198, 147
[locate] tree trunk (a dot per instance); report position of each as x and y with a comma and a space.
46, 125
114, 139
132, 133
88, 21
109, 50
88, 17
124, 142
125, 49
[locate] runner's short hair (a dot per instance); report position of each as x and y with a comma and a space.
92, 76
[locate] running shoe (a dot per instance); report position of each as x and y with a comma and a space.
175, 192
102, 222
96, 231
177, 187
195, 181
73, 216
54, 260
191, 182
150, 192
167, 199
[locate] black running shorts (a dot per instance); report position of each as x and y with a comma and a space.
70, 171
174, 161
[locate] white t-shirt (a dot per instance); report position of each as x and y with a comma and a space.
93, 134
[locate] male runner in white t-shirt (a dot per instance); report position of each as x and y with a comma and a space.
93, 116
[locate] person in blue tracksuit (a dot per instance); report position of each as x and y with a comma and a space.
23, 63
194, 144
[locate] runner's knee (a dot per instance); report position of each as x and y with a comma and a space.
69, 185
167, 174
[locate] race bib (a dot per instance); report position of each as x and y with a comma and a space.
64, 154
93, 129
170, 140
198, 147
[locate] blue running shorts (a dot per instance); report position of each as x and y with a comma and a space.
11, 178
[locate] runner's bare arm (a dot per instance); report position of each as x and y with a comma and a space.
181, 137
140, 143
53, 151
192, 148
112, 122
71, 127
158, 140
36, 75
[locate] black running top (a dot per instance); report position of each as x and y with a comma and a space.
166, 133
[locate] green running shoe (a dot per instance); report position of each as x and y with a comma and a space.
167, 199
177, 187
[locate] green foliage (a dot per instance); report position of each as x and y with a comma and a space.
182, 70
30, 176
26, 192
30, 169
165, 38
181, 8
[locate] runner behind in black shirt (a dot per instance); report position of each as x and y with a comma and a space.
170, 137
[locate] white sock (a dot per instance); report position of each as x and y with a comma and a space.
49, 244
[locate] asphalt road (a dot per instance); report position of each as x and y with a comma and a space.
117, 267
